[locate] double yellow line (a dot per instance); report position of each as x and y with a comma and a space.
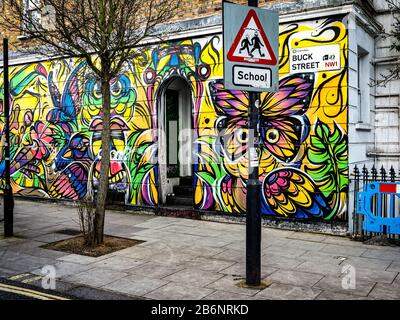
29, 292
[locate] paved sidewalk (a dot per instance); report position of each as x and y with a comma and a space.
191, 259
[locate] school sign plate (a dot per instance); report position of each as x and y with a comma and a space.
250, 48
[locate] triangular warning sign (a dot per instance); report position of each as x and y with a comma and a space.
251, 44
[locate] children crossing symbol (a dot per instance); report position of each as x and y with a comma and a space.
251, 44
250, 48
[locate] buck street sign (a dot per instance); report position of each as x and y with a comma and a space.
250, 48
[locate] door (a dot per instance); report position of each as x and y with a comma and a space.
175, 143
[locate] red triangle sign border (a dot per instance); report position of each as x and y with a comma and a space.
232, 57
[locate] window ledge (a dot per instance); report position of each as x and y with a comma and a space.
364, 127
23, 37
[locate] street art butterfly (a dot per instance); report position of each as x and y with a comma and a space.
71, 182
284, 127
289, 192
66, 105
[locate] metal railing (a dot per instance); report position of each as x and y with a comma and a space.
380, 203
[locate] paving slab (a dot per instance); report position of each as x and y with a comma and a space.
179, 291
394, 266
45, 253
230, 283
307, 236
23, 245
135, 285
25, 263
320, 268
362, 287
277, 232
280, 291
172, 257
155, 270
231, 255
208, 264
136, 252
239, 270
96, 277
182, 229
194, 277
267, 242
339, 270
202, 251
382, 254
375, 275
370, 263
224, 295
88, 293
280, 262
118, 263
342, 241
154, 224
304, 245
296, 278
385, 292
284, 251
343, 250
332, 295
5, 273
322, 257
64, 269
121, 231
213, 242
77, 258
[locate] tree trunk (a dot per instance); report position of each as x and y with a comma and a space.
105, 163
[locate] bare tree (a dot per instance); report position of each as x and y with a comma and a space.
102, 32
393, 34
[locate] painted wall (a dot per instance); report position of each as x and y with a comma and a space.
56, 128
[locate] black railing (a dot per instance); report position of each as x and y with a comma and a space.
358, 178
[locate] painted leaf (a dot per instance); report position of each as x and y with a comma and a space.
328, 159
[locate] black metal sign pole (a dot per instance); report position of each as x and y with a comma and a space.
253, 217
8, 196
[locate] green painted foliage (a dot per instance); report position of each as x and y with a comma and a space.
328, 159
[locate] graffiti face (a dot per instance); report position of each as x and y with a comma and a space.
57, 125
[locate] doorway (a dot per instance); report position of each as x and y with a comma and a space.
175, 143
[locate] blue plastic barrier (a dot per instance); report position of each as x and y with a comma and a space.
383, 220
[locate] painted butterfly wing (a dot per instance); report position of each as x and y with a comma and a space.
293, 97
283, 136
232, 103
290, 192
66, 106
233, 194
71, 183
284, 126
233, 134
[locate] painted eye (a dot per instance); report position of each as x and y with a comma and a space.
272, 135
149, 75
241, 136
203, 71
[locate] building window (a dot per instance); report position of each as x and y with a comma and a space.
32, 12
363, 72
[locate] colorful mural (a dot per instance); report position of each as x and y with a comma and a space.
56, 128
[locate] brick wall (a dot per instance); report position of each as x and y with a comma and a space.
190, 9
